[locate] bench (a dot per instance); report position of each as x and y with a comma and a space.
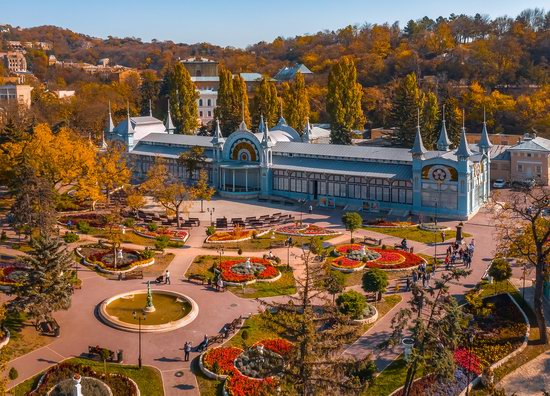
136, 274
372, 241
49, 327
277, 244
197, 277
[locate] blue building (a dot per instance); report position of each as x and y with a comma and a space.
281, 162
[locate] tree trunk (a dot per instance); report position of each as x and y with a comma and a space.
178, 222
411, 372
202, 209
108, 196
538, 302
94, 202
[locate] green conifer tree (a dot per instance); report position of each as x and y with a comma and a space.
183, 99
226, 107
407, 100
344, 101
240, 100
296, 103
266, 103
430, 120
47, 287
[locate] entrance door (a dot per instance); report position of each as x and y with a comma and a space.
315, 186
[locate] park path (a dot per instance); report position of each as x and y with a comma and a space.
81, 328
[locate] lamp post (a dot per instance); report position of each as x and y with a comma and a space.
211, 211
139, 318
470, 345
288, 245
439, 183
220, 252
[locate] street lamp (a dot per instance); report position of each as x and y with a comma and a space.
439, 183
139, 318
221, 252
211, 211
470, 345
288, 245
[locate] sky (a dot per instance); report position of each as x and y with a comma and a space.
236, 23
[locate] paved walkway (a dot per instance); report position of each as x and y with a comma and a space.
531, 379
80, 328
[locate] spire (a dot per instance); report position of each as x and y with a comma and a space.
242, 126
282, 120
484, 142
463, 151
418, 148
103, 142
306, 136
443, 142
129, 128
265, 131
150, 108
218, 138
168, 124
110, 127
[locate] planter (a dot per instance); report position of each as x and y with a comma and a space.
408, 343
371, 319
144, 263
172, 239
102, 384
251, 282
208, 373
209, 240
6, 338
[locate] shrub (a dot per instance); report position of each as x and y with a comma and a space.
240, 252
13, 374
316, 245
129, 222
375, 281
365, 371
3, 236
147, 254
254, 234
70, 237
152, 227
352, 303
83, 227
210, 230
162, 242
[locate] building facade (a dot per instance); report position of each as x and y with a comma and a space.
20, 94
206, 103
281, 162
14, 61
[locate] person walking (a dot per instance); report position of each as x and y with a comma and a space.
433, 267
167, 278
187, 350
414, 276
424, 280
219, 284
310, 209
408, 284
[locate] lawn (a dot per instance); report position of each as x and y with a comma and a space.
264, 243
203, 265
390, 379
162, 261
148, 379
416, 234
23, 337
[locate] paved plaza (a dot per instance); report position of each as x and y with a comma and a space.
81, 328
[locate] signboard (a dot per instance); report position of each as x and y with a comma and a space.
370, 206
327, 202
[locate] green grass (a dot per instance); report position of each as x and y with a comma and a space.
23, 337
148, 379
416, 234
264, 242
128, 237
390, 379
286, 285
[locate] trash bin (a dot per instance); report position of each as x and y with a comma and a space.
119, 355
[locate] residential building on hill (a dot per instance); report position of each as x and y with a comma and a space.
288, 73
14, 61
20, 94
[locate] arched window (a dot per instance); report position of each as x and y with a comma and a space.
209, 102
200, 102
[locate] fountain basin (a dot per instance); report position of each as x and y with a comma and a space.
173, 310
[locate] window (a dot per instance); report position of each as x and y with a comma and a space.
200, 102
200, 113
539, 169
209, 113
528, 154
520, 168
209, 102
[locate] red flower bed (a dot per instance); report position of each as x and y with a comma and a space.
277, 345
230, 276
390, 258
224, 356
350, 247
304, 229
239, 385
345, 262
410, 260
163, 231
467, 360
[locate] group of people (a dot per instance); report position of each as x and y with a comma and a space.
420, 274
456, 252
164, 278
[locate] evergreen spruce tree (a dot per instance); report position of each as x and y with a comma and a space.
430, 124
226, 107
183, 99
453, 119
266, 103
407, 99
296, 103
149, 91
344, 101
241, 101
48, 286
318, 329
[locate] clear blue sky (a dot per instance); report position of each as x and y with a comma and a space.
236, 22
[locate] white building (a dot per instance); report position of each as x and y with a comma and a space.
206, 104
20, 94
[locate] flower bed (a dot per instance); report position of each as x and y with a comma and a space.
103, 259
308, 230
468, 361
240, 385
277, 345
12, 275
387, 259
220, 360
174, 235
237, 235
236, 271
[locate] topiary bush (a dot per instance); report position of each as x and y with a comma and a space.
147, 254
162, 242
352, 303
83, 227
152, 227
210, 230
13, 374
70, 237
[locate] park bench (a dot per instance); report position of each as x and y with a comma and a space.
49, 327
135, 274
277, 244
218, 338
197, 277
372, 241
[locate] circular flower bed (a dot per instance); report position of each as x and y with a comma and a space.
174, 235
236, 235
220, 360
248, 270
12, 275
307, 230
259, 362
104, 258
354, 257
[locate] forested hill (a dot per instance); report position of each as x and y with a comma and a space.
500, 51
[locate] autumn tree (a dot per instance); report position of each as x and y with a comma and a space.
193, 160
266, 103
524, 233
227, 111
344, 101
166, 189
407, 100
241, 100
149, 90
296, 103
183, 99
430, 120
112, 171
202, 190
47, 288
135, 199
435, 322
318, 330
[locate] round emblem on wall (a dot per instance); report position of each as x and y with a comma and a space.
439, 174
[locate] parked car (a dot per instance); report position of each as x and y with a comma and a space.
499, 183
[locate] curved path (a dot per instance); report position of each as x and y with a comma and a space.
80, 328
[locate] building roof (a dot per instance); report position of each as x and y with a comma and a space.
141, 126
532, 144
418, 146
443, 141
248, 77
144, 148
205, 78
177, 140
463, 150
289, 72
352, 168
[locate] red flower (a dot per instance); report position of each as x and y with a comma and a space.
224, 357
410, 259
343, 249
230, 276
345, 262
239, 385
467, 360
390, 257
277, 345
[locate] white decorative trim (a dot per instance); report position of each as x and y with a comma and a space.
6, 338
371, 319
428, 228
394, 226
160, 328
207, 240
348, 270
207, 372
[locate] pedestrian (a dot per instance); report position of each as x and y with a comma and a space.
449, 250
447, 259
408, 284
167, 278
219, 284
415, 276
442, 236
310, 209
453, 259
423, 280
186, 350
433, 267
428, 277
270, 255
